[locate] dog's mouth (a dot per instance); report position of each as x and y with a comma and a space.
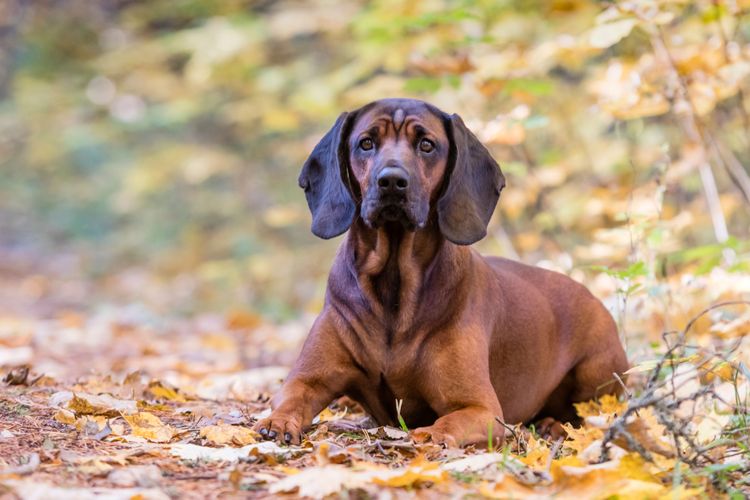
379, 212
392, 213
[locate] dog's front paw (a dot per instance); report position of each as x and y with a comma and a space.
436, 435
280, 427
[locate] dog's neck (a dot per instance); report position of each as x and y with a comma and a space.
392, 264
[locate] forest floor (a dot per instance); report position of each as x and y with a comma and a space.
122, 402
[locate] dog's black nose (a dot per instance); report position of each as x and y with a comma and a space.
393, 180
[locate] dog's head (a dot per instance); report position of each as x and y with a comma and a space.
401, 161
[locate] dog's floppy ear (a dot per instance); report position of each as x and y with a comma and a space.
474, 182
324, 178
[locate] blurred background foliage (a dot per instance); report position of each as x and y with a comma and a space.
149, 149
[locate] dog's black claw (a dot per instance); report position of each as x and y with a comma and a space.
287, 438
272, 435
264, 432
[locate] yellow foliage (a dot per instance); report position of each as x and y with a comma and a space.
506, 487
419, 470
161, 391
606, 405
537, 453
223, 434
103, 404
150, 427
580, 438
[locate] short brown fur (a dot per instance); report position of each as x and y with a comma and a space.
410, 315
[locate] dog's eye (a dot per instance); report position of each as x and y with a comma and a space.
366, 144
426, 146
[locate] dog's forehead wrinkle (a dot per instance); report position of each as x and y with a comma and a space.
398, 119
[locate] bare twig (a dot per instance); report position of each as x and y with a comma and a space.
664, 397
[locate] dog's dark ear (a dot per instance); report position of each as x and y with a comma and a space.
324, 178
474, 182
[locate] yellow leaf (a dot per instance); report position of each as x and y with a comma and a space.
505, 488
223, 434
627, 478
91, 424
682, 492
150, 427
327, 415
94, 467
580, 438
634, 466
610, 404
103, 404
420, 470
320, 482
607, 405
160, 391
537, 453
65, 417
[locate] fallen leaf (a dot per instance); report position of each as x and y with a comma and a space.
711, 426
473, 463
65, 416
229, 454
319, 482
150, 427
607, 405
228, 434
161, 391
31, 465
90, 404
580, 438
388, 432
34, 489
145, 476
537, 453
420, 470
17, 376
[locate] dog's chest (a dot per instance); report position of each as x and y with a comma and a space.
395, 378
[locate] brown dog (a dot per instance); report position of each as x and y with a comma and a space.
414, 314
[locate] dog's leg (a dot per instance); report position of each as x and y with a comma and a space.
470, 425
457, 387
321, 373
594, 376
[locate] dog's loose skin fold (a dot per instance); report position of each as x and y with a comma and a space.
414, 314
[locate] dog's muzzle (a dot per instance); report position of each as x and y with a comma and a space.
390, 199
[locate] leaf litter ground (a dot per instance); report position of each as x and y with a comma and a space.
124, 403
